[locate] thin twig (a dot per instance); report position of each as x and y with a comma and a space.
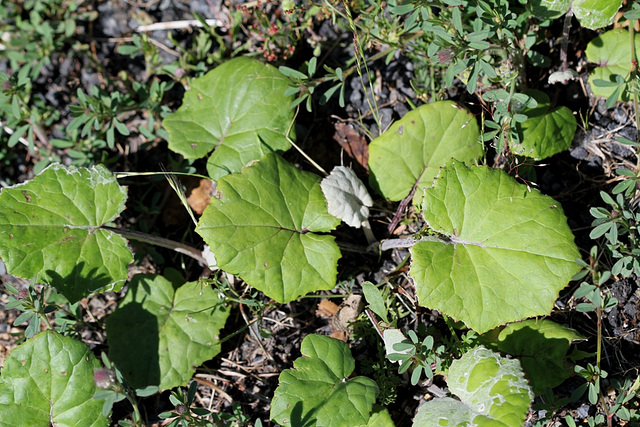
634, 75
177, 25
151, 39
213, 386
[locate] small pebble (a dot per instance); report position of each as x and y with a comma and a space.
583, 411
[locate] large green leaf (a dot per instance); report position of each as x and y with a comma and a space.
592, 14
504, 253
50, 229
48, 380
611, 52
414, 148
260, 226
545, 132
492, 390
319, 391
541, 346
238, 111
161, 332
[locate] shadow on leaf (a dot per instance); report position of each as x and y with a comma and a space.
79, 283
132, 333
297, 419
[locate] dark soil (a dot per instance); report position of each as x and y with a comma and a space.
246, 372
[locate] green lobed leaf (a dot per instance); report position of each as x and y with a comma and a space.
238, 110
50, 229
48, 380
541, 346
594, 14
319, 390
611, 52
505, 253
261, 225
162, 331
545, 132
414, 148
492, 391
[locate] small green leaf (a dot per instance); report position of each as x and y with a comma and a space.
158, 334
375, 300
311, 69
414, 148
394, 338
541, 346
48, 380
17, 134
320, 391
262, 225
50, 228
457, 20
492, 390
290, 72
238, 111
505, 252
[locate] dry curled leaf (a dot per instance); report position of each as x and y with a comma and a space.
326, 309
347, 313
353, 143
200, 196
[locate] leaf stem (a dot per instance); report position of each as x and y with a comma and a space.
305, 155
368, 232
160, 241
634, 75
564, 45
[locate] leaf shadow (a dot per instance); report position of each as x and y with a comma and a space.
79, 283
297, 418
133, 337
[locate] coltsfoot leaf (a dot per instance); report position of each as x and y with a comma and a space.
415, 147
50, 229
347, 197
319, 390
262, 225
238, 110
594, 14
504, 253
611, 52
542, 347
492, 390
162, 330
48, 380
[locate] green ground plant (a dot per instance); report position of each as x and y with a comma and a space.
491, 258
